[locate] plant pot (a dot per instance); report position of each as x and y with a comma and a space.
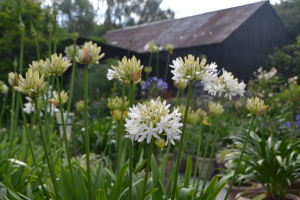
213, 168
294, 187
257, 193
183, 163
169, 168
221, 165
68, 123
235, 189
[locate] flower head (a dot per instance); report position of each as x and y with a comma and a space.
32, 85
69, 51
64, 98
153, 47
58, 65
192, 117
3, 87
79, 106
128, 70
39, 66
90, 54
181, 85
161, 143
116, 103
148, 69
256, 106
169, 48
152, 119
191, 69
227, 84
203, 116
215, 109
13, 79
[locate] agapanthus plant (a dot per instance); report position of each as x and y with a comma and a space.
153, 87
90, 54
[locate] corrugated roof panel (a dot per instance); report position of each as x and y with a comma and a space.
204, 29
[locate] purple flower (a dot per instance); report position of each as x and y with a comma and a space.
288, 124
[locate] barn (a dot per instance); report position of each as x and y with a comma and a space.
237, 39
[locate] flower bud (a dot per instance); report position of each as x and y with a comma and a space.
215, 109
86, 58
34, 128
130, 40
21, 25
161, 143
136, 76
13, 79
32, 30
15, 63
74, 36
49, 26
180, 85
55, 11
148, 69
39, 172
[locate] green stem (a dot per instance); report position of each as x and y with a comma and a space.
37, 48
55, 34
50, 45
177, 98
198, 151
2, 110
182, 138
121, 128
130, 144
157, 62
52, 174
21, 53
237, 167
12, 117
148, 168
29, 142
151, 55
87, 143
72, 83
213, 148
204, 156
166, 72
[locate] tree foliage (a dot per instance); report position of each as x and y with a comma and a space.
289, 13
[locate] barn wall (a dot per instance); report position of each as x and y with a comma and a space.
246, 49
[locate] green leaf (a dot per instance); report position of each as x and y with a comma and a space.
7, 183
100, 195
185, 194
139, 166
216, 191
155, 177
119, 181
68, 188
210, 188
260, 197
37, 197
163, 168
13, 194
128, 188
188, 171
82, 192
29, 192
112, 175
149, 192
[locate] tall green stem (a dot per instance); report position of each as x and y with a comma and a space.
213, 148
21, 53
72, 82
87, 143
29, 142
240, 159
198, 151
52, 174
157, 62
50, 45
130, 144
121, 128
166, 71
150, 60
177, 98
64, 129
12, 117
204, 156
2, 110
182, 138
148, 168
37, 48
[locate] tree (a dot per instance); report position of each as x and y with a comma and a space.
289, 12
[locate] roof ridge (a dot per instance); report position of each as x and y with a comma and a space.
166, 20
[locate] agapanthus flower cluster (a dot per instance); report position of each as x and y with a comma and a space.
39, 66
128, 70
227, 84
32, 85
256, 106
64, 98
215, 109
30, 108
153, 85
79, 105
58, 65
3, 87
203, 116
153, 119
293, 81
90, 54
191, 69
263, 74
169, 48
153, 47
69, 51
116, 103
13, 79
192, 117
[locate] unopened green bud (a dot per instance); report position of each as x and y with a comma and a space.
21, 25
34, 128
130, 40
180, 85
215, 109
148, 69
15, 63
32, 30
74, 36
55, 11
49, 26
161, 143
39, 172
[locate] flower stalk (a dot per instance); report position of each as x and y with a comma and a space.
120, 136
198, 151
2, 109
130, 143
166, 72
238, 164
182, 138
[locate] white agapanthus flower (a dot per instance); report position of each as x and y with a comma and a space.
153, 47
153, 119
89, 54
58, 65
69, 51
227, 84
191, 69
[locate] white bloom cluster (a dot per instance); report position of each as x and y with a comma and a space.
263, 74
153, 47
152, 119
191, 69
227, 84
3, 87
293, 81
69, 51
39, 66
89, 54
58, 65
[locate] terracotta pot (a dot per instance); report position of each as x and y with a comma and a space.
256, 193
212, 171
235, 189
294, 187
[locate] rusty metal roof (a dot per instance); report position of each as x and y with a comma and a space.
204, 29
